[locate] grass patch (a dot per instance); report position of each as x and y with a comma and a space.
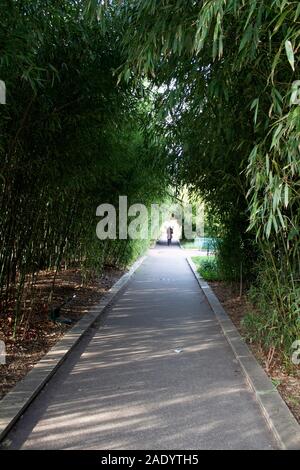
207, 267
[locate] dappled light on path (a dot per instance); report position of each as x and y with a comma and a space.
126, 387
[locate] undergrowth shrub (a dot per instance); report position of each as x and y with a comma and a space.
275, 323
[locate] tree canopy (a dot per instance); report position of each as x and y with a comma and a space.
230, 108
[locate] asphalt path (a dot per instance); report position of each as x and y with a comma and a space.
155, 372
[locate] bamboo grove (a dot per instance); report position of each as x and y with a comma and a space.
71, 139
136, 96
231, 110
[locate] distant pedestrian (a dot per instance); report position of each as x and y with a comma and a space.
169, 235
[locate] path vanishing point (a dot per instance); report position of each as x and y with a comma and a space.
155, 372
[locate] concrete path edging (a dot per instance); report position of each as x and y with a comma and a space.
15, 402
279, 418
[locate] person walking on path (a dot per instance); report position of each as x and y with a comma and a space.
169, 235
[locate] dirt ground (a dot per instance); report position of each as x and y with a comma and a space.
288, 384
36, 333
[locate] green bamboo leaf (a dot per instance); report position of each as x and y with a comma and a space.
267, 164
276, 135
281, 20
275, 223
290, 53
269, 225
286, 195
280, 217
255, 105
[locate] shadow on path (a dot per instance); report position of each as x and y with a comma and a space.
155, 373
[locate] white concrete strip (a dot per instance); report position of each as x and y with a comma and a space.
277, 414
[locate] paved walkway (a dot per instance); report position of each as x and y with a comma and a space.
125, 387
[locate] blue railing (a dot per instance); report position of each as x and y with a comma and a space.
206, 243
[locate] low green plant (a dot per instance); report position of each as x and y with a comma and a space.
275, 323
208, 268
